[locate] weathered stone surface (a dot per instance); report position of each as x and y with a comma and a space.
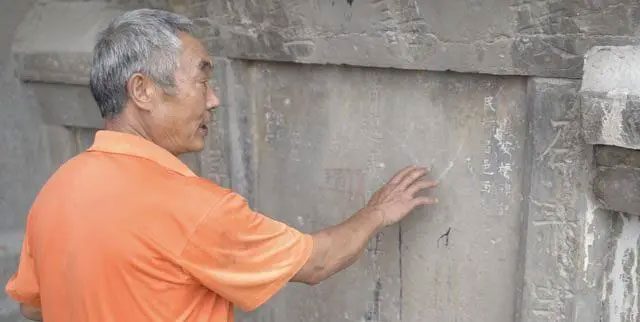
215, 161
327, 137
611, 118
610, 103
53, 57
566, 235
50, 49
29, 150
544, 38
618, 189
612, 69
309, 144
241, 134
613, 156
621, 289
611, 96
68, 105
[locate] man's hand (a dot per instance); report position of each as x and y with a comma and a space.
398, 197
337, 247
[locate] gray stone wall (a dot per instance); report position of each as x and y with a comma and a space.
323, 100
30, 150
522, 37
328, 136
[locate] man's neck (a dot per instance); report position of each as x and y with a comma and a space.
128, 124
120, 124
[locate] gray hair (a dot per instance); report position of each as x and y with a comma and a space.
141, 41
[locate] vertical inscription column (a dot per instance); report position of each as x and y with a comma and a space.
561, 214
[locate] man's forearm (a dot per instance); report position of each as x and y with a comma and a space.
339, 246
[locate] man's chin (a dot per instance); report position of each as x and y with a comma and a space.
196, 145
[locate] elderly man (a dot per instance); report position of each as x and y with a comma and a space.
126, 232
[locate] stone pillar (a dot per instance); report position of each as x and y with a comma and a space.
566, 234
611, 120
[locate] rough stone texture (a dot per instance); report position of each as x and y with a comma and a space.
68, 105
618, 189
611, 96
610, 69
617, 181
613, 156
326, 137
29, 151
516, 237
50, 49
566, 235
215, 160
53, 59
47, 52
611, 118
622, 274
524, 37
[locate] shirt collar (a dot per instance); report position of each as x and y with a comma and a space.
129, 144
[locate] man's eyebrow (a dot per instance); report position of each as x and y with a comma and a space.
205, 66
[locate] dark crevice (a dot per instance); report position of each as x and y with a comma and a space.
444, 238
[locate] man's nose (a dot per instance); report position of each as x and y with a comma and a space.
212, 99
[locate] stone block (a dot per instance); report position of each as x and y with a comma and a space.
611, 118
30, 150
612, 68
613, 156
326, 137
611, 96
521, 37
53, 56
68, 105
49, 47
566, 236
618, 188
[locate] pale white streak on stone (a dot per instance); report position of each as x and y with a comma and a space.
622, 305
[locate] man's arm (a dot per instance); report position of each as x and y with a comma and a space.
337, 247
30, 312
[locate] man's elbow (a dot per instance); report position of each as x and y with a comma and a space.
313, 280
310, 275
30, 312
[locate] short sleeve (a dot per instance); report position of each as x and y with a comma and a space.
242, 255
23, 285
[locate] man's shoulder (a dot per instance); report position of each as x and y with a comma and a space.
174, 189
203, 187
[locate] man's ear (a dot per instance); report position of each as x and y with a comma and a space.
141, 90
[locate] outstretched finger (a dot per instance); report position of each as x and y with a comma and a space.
421, 185
421, 201
397, 178
411, 177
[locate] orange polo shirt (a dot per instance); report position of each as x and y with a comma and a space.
126, 232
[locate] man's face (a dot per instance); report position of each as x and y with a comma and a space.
181, 118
